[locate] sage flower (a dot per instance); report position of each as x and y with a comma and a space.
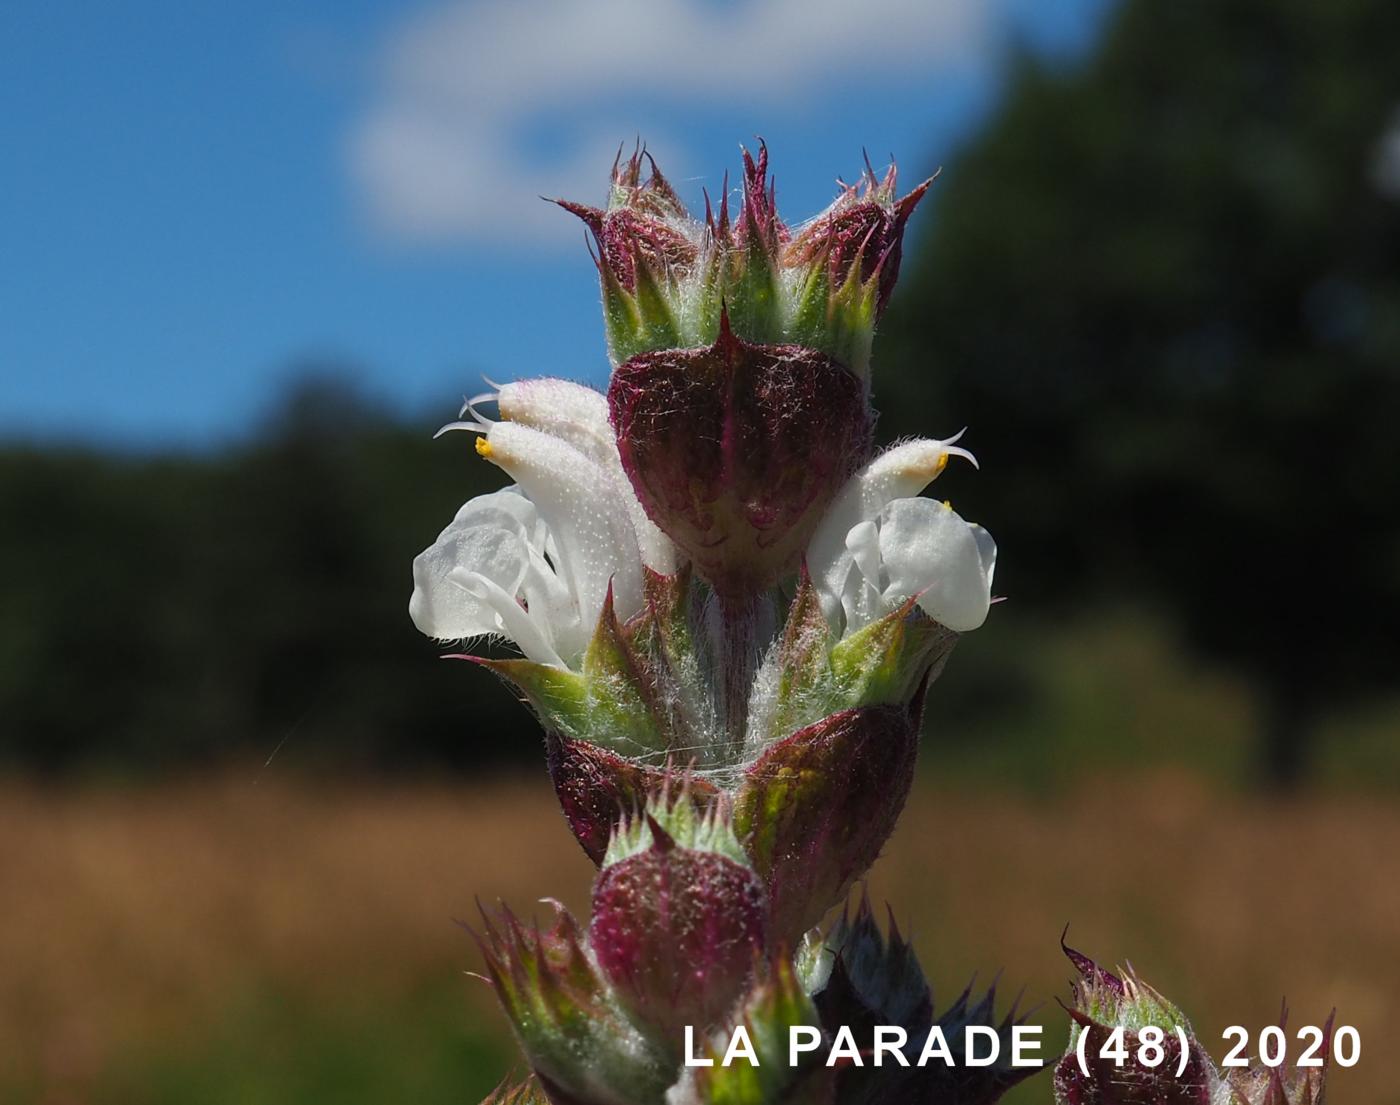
534, 563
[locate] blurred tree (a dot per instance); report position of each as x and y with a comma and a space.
1163, 290
163, 612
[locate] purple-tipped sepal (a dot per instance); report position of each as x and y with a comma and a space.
601, 770
735, 450
749, 249
1117, 1071
815, 808
666, 276
580, 1042
860, 976
651, 258
527, 1092
679, 918
859, 239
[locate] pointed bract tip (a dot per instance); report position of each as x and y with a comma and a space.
480, 661
1089, 970
661, 840
592, 216
904, 206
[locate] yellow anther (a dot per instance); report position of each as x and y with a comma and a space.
948, 503
940, 464
483, 448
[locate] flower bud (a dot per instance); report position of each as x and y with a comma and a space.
1289, 1084
862, 978
735, 450
816, 808
860, 237
652, 261
679, 918
582, 1047
666, 276
750, 252
776, 1004
1105, 1002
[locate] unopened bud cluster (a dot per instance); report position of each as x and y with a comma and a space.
1129, 1045
668, 278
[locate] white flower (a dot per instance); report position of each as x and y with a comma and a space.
880, 545
534, 563
579, 416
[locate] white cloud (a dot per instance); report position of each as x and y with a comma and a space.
441, 153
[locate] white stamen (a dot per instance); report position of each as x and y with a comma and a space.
480, 426
470, 404
515, 622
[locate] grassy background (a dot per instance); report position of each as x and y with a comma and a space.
253, 938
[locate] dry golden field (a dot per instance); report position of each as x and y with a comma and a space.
264, 940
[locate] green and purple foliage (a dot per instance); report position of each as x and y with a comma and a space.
730, 607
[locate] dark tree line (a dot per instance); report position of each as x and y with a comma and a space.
170, 611
1164, 291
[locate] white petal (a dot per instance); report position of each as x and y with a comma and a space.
929, 551
551, 604
567, 410
831, 577
863, 597
987, 549
507, 509
900, 472
527, 628
903, 471
657, 550
487, 542
579, 415
579, 502
511, 509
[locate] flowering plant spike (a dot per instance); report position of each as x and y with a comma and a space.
727, 606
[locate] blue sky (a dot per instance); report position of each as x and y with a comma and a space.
195, 197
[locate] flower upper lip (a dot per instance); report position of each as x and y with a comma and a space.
880, 544
537, 565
